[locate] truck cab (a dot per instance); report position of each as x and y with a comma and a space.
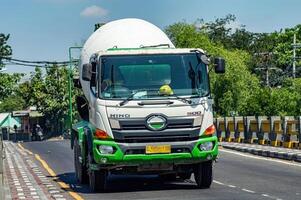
149, 112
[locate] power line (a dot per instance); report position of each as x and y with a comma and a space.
26, 65
38, 62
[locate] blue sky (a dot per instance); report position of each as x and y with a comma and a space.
44, 29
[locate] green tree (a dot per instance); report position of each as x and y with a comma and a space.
5, 49
219, 31
9, 101
49, 92
8, 84
24, 91
231, 91
12, 103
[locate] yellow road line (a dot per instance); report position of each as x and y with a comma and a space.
26, 150
45, 165
62, 184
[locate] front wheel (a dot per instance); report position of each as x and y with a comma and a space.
203, 174
97, 178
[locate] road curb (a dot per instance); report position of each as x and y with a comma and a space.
265, 151
6, 189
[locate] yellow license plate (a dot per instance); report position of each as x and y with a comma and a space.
158, 149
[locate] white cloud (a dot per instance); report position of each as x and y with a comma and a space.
94, 11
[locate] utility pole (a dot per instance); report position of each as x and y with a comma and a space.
71, 61
266, 57
295, 57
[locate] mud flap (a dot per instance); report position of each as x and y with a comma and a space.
89, 136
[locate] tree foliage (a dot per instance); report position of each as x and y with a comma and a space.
231, 90
5, 49
8, 84
239, 90
49, 92
12, 103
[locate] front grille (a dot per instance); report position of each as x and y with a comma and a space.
169, 126
167, 135
157, 138
135, 131
172, 123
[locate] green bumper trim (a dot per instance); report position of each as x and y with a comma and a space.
119, 158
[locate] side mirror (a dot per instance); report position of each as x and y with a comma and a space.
87, 72
219, 65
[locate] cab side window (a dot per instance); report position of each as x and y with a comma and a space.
93, 82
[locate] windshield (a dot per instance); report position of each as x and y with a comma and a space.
153, 76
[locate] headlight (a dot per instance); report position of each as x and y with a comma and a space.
104, 149
207, 146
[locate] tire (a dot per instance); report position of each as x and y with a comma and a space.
203, 174
97, 180
80, 169
185, 176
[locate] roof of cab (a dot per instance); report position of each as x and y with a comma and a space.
147, 51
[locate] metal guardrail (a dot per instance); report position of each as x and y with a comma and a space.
275, 130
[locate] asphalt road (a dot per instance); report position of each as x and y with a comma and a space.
236, 176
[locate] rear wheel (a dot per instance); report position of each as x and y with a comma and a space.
80, 169
203, 174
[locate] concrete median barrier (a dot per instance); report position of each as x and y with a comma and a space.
274, 131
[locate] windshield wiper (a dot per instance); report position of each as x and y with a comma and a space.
129, 98
188, 101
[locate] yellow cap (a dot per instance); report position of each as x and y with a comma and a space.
165, 90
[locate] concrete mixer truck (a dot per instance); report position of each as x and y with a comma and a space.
146, 107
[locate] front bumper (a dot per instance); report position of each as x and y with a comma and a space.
121, 158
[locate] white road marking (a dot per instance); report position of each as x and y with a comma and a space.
271, 197
217, 182
231, 186
261, 158
246, 190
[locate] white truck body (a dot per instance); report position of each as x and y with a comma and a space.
147, 106
134, 33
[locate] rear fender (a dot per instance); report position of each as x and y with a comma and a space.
79, 133
83, 130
